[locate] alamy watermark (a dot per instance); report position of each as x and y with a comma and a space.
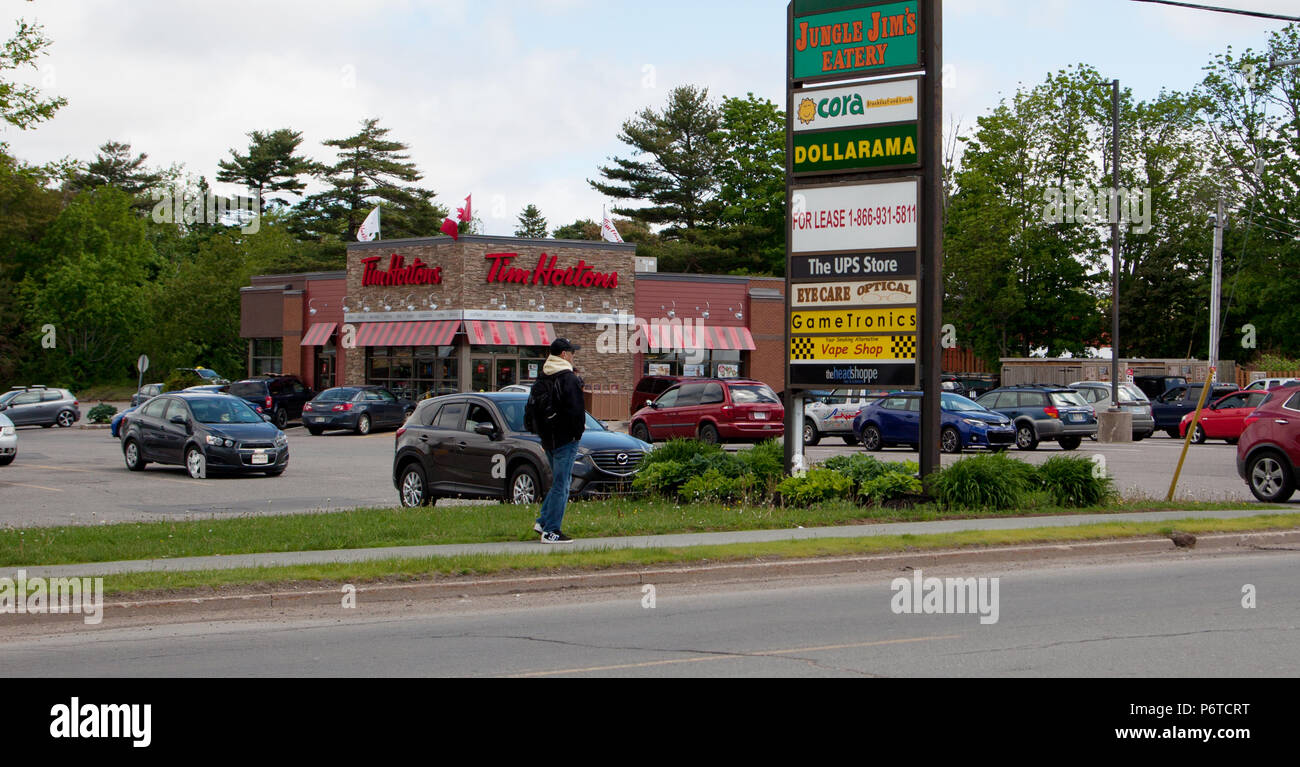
40, 596
1084, 205
183, 207
945, 596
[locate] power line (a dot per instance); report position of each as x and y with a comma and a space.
1217, 9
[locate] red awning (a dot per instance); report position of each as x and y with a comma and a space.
688, 335
494, 333
319, 334
407, 333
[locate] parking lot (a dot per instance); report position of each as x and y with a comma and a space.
77, 476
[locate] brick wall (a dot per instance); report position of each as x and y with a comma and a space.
767, 324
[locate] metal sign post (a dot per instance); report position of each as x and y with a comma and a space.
141, 364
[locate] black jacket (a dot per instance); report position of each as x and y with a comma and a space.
572, 421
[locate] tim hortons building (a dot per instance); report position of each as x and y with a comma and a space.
435, 316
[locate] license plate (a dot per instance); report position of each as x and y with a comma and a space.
261, 458
1077, 418
760, 416
319, 419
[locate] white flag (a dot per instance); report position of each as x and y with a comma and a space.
607, 229
369, 230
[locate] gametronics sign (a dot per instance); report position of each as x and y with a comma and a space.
870, 40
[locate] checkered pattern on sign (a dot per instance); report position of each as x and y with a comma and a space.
903, 347
801, 348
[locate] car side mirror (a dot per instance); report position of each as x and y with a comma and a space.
266, 417
179, 420
486, 429
654, 404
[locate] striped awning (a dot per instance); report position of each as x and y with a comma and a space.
688, 335
319, 334
439, 333
493, 333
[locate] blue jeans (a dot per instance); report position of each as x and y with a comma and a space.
557, 498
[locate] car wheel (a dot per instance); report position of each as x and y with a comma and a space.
709, 434
849, 439
1270, 478
810, 434
524, 486
66, 419
1025, 438
641, 432
871, 438
363, 424
8, 459
315, 431
1070, 443
134, 458
281, 418
195, 463
1198, 436
1139, 437
950, 441
414, 487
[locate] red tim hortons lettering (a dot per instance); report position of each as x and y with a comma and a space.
398, 273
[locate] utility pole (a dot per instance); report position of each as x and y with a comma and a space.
1114, 247
1216, 287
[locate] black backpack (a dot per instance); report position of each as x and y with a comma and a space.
542, 410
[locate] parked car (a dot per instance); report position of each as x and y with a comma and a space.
209, 376
1131, 398
115, 426
964, 424
8, 441
831, 414
517, 389
355, 408
712, 409
1170, 407
204, 432
280, 396
1224, 419
475, 445
1269, 449
40, 406
1041, 413
1264, 384
649, 388
146, 393
1154, 386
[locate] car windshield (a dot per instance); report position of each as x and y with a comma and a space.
513, 411
8, 396
1131, 395
336, 395
960, 404
1068, 399
747, 394
223, 410
205, 373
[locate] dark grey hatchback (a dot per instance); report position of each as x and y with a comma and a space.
355, 408
204, 432
474, 445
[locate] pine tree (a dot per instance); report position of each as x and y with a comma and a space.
269, 166
531, 224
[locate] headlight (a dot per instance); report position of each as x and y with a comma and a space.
7, 431
974, 422
218, 441
281, 440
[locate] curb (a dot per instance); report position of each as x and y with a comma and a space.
209, 606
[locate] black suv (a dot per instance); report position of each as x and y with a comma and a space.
279, 396
475, 445
1041, 413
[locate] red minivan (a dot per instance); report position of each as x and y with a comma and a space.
712, 409
1269, 450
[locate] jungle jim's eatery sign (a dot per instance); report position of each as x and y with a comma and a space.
870, 40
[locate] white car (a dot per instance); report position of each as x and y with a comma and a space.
832, 413
8, 441
1264, 384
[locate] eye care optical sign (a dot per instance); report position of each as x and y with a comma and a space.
856, 41
855, 218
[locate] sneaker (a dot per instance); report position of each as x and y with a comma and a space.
537, 528
556, 538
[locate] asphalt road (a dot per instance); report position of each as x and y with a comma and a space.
77, 476
1175, 615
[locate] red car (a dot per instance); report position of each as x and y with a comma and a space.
712, 409
650, 387
1269, 449
1224, 419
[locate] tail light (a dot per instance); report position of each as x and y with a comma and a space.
1052, 412
307, 407
268, 402
400, 432
343, 408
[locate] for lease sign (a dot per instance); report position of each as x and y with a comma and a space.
857, 217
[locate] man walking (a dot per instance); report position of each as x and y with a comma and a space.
559, 418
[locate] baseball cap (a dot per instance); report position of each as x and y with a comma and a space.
563, 345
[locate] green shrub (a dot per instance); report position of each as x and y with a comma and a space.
1071, 482
815, 486
667, 477
715, 486
182, 379
983, 482
889, 487
101, 413
766, 461
679, 450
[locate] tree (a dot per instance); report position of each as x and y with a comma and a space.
371, 169
684, 149
582, 229
531, 224
269, 166
21, 105
114, 166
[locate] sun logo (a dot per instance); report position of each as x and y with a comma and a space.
807, 111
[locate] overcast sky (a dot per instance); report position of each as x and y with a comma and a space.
519, 101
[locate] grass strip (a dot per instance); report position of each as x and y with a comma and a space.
480, 523
557, 562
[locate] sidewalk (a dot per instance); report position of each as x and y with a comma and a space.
636, 542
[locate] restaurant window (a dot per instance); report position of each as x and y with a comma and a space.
414, 372
268, 356
704, 363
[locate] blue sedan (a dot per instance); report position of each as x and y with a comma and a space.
896, 420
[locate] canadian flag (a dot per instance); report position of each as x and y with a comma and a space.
451, 226
369, 230
608, 230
